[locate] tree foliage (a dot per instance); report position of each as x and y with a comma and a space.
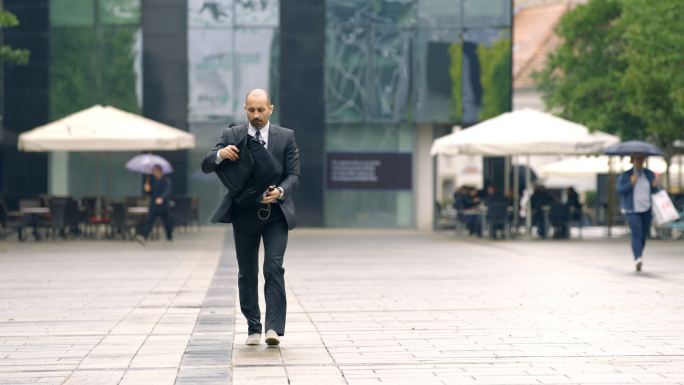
618, 69
7, 53
654, 79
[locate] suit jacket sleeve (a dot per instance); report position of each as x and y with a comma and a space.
209, 162
291, 167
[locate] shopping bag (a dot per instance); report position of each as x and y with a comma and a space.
663, 209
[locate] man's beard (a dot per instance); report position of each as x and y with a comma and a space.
257, 123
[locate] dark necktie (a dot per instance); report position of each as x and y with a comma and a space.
259, 139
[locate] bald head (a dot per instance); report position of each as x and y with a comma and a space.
258, 108
258, 93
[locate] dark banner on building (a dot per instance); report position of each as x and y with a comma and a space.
369, 171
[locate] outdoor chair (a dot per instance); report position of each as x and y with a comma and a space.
577, 218
182, 212
72, 217
120, 224
88, 215
497, 217
10, 223
194, 210
36, 221
58, 222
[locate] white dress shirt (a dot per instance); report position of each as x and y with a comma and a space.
252, 132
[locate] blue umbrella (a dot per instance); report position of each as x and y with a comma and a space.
144, 163
633, 147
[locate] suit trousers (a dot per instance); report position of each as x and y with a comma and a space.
248, 231
165, 214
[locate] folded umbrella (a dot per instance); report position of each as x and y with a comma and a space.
633, 147
144, 163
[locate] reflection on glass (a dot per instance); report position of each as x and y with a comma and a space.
439, 60
486, 74
233, 47
72, 13
390, 64
367, 68
94, 63
360, 208
487, 13
210, 13
264, 13
440, 13
119, 11
369, 138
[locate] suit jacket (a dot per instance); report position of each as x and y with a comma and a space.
282, 144
160, 189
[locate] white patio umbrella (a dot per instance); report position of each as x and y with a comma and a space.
584, 165
588, 166
105, 128
524, 132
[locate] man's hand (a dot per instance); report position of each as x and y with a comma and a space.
159, 200
271, 195
633, 178
147, 187
230, 152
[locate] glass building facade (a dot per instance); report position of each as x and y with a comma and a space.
391, 66
95, 58
366, 84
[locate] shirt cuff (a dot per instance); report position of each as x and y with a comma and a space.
218, 157
282, 193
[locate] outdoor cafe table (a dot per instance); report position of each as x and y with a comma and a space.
30, 215
138, 210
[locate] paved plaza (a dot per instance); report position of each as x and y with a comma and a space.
364, 307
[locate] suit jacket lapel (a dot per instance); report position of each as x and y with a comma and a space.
272, 145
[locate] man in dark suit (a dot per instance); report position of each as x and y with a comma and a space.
269, 218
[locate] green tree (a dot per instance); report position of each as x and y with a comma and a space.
581, 80
654, 80
618, 69
7, 53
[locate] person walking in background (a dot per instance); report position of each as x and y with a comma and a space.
635, 187
159, 190
270, 217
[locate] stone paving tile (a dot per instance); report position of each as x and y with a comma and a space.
102, 312
364, 307
425, 308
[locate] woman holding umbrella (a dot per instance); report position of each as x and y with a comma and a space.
635, 187
159, 190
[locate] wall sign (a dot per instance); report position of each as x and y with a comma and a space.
369, 171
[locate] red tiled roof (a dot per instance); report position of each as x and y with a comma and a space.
533, 39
